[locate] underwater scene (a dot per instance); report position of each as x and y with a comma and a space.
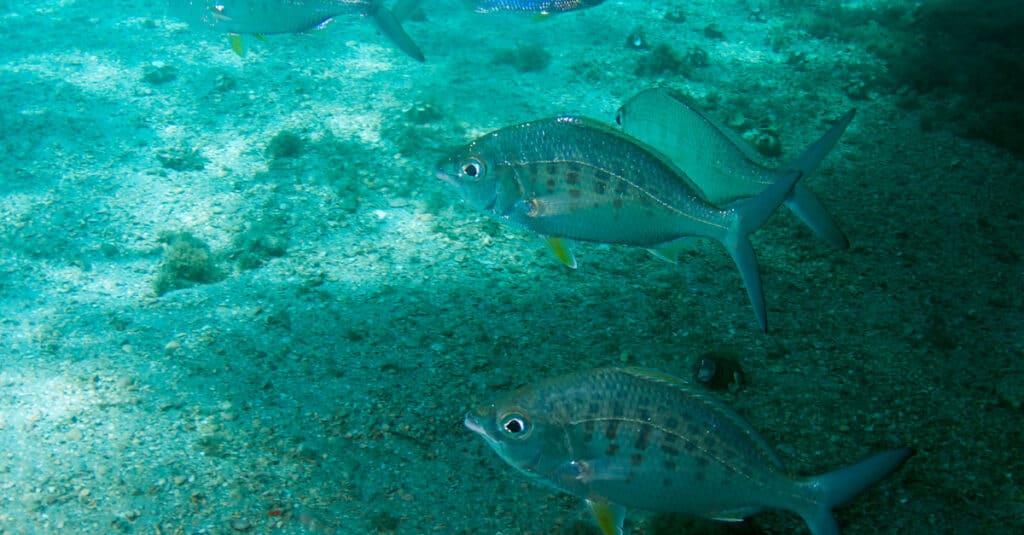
539, 267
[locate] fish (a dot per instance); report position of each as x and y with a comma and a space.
542, 7
576, 178
637, 438
263, 17
720, 163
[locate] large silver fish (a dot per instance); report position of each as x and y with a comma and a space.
628, 437
722, 165
259, 17
575, 178
542, 7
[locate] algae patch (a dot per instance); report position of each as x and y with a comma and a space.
187, 261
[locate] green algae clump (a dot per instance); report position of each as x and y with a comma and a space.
187, 262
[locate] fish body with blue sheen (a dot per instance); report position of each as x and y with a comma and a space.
577, 179
265, 17
722, 165
543, 7
634, 438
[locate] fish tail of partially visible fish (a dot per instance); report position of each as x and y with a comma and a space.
389, 23
750, 216
835, 488
804, 204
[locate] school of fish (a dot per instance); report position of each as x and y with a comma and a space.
618, 438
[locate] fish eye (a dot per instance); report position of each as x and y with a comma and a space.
515, 425
473, 168
618, 118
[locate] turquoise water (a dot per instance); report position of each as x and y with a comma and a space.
235, 298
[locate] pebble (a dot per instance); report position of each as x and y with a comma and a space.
241, 524
180, 480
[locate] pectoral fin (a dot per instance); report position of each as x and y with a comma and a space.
609, 516
237, 44
561, 250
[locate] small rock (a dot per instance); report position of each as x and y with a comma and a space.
241, 524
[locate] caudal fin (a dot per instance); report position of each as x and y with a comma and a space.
750, 216
391, 26
802, 201
835, 488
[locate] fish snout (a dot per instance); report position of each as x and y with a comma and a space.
473, 425
445, 176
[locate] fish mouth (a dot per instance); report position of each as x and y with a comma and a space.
473, 425
445, 176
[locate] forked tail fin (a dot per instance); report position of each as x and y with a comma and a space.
837, 487
751, 215
802, 201
391, 26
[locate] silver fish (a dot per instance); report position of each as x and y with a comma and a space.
575, 178
259, 17
629, 437
542, 7
719, 162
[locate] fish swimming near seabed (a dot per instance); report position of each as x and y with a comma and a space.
719, 162
543, 7
574, 178
262, 17
636, 438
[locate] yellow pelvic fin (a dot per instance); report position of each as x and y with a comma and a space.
609, 516
561, 251
237, 44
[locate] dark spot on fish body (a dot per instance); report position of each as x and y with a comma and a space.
551, 185
636, 459
671, 451
593, 408
613, 448
572, 177
702, 461
667, 482
621, 187
699, 476
589, 427
600, 187
552, 169
618, 409
612, 429
643, 437
669, 465
671, 423
575, 193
